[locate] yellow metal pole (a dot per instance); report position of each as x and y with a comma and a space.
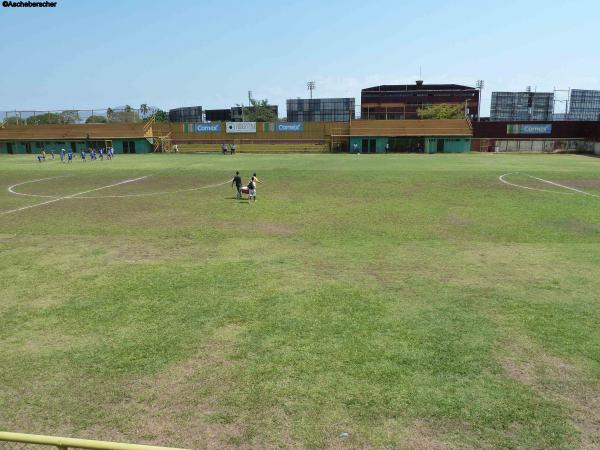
64, 443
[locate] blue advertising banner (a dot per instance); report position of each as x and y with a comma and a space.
529, 128
289, 126
214, 127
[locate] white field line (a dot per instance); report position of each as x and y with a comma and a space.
71, 196
501, 178
159, 193
563, 186
553, 183
12, 191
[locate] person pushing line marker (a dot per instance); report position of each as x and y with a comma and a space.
237, 180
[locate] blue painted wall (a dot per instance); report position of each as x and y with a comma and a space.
451, 144
20, 147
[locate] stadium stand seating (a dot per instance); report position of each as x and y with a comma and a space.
321, 147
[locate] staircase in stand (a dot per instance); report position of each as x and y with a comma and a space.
161, 141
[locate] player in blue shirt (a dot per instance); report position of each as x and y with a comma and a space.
92, 154
101, 153
70, 155
83, 155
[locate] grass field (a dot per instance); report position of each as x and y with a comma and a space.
412, 301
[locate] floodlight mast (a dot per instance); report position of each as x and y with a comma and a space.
311, 86
565, 101
479, 84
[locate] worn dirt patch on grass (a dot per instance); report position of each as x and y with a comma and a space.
270, 229
275, 229
579, 226
42, 343
579, 183
109, 250
558, 380
510, 266
421, 436
457, 219
145, 252
189, 405
180, 406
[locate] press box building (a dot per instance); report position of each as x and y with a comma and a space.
186, 114
320, 109
522, 106
218, 115
403, 101
584, 104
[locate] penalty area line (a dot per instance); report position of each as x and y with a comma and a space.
552, 183
11, 189
563, 186
70, 196
501, 178
148, 194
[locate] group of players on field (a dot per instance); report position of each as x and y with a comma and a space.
236, 181
67, 156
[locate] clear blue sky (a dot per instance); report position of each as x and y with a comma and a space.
85, 54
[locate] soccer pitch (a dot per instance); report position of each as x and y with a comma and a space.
410, 301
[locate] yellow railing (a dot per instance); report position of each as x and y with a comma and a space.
63, 443
469, 121
148, 125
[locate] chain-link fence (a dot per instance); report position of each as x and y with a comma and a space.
124, 114
129, 114
534, 145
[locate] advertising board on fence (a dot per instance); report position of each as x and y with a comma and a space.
240, 127
529, 128
284, 127
214, 127
289, 126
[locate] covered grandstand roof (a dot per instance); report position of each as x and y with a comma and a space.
418, 87
74, 132
393, 128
